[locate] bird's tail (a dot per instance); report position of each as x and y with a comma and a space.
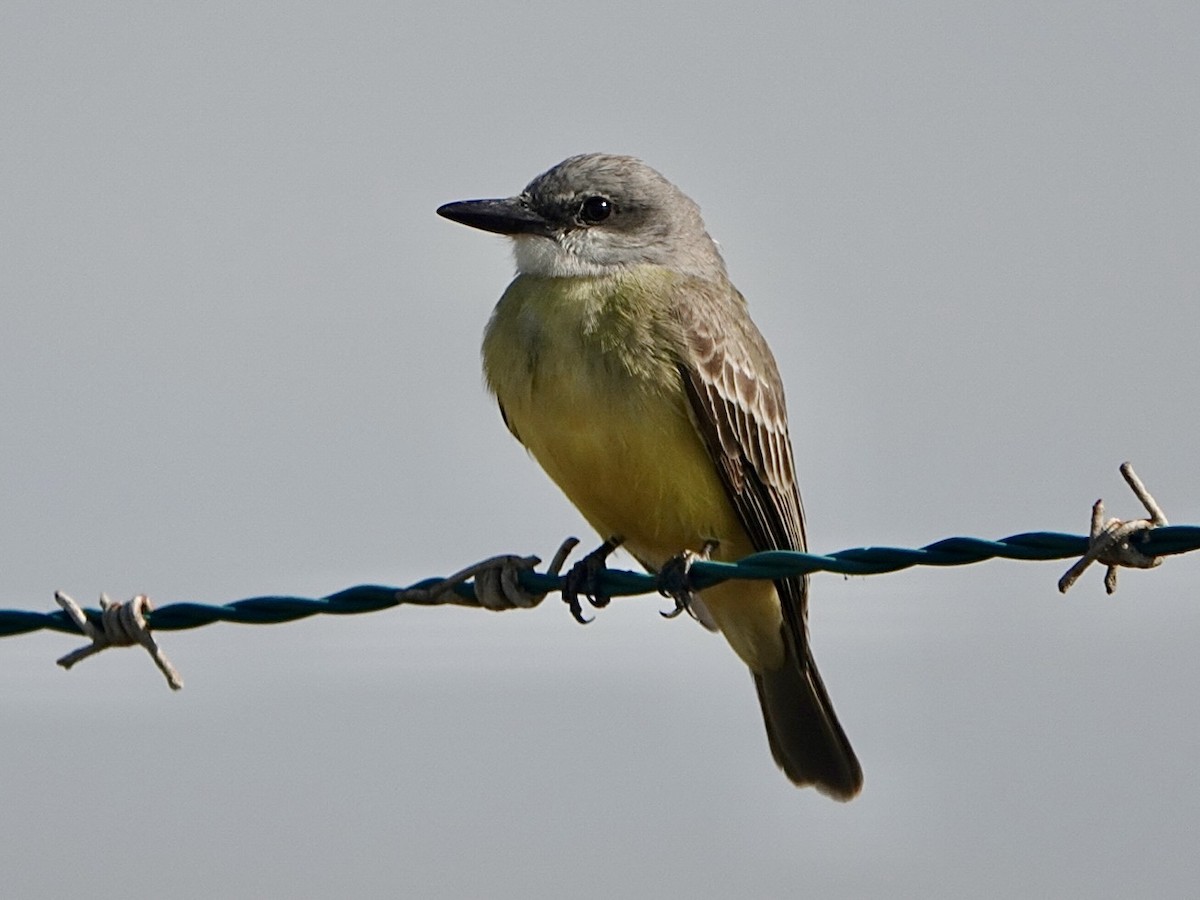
806, 739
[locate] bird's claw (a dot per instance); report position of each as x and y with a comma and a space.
584, 578
674, 579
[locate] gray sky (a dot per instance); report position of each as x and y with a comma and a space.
239, 355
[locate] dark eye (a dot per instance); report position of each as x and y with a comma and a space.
594, 210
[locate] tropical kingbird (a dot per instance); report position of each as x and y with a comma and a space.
625, 361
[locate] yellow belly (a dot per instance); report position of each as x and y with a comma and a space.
634, 469
645, 475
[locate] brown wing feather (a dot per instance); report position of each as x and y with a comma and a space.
737, 402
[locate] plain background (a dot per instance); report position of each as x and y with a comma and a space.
239, 355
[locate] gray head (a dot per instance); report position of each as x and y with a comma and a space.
597, 214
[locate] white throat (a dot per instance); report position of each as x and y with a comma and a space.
549, 258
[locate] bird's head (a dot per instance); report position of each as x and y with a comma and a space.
597, 214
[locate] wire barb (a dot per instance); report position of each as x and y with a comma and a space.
497, 582
121, 625
1109, 541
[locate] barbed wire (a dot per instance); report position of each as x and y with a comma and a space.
510, 582
1169, 540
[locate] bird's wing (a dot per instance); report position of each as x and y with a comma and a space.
737, 403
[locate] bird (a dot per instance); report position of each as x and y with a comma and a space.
625, 361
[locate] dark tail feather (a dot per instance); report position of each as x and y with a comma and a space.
806, 739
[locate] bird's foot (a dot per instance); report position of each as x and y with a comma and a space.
584, 578
674, 579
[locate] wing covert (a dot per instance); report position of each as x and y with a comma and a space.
737, 403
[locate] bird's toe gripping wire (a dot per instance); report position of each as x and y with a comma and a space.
584, 578
674, 579
1110, 542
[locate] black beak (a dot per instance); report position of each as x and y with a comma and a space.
511, 216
